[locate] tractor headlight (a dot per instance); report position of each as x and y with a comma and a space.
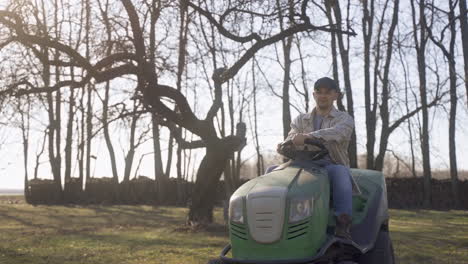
236, 210
300, 209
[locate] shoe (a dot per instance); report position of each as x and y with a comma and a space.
343, 224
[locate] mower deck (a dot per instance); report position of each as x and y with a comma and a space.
335, 250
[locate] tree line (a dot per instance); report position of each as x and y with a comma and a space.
185, 75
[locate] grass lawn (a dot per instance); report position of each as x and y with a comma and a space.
145, 234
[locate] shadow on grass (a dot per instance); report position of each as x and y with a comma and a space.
55, 217
64, 220
20, 257
7, 215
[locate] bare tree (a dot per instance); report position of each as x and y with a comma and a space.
134, 142
71, 116
334, 53
286, 48
260, 161
90, 87
464, 34
384, 107
420, 40
39, 153
25, 126
181, 67
69, 136
161, 178
344, 52
105, 102
403, 63
53, 109
371, 113
449, 53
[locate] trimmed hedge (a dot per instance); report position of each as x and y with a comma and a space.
408, 193
43, 191
403, 193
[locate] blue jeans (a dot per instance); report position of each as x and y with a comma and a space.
340, 180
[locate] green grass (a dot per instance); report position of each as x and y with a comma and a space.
145, 234
425, 236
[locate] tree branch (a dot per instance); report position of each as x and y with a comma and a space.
219, 26
217, 102
176, 133
415, 111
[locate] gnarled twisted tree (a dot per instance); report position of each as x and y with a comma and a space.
159, 98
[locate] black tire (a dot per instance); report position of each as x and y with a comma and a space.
215, 261
382, 252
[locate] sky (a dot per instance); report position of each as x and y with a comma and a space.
12, 168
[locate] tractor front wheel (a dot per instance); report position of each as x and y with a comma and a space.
382, 252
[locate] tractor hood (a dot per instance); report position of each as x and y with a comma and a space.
266, 204
281, 178
297, 180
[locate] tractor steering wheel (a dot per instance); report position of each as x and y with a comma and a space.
288, 149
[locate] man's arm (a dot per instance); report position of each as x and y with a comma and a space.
295, 128
340, 131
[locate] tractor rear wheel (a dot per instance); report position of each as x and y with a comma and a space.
382, 252
215, 261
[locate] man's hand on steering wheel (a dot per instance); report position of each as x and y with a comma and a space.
299, 139
311, 141
286, 148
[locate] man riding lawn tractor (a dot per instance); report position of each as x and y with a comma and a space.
313, 208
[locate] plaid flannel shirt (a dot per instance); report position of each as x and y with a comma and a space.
335, 132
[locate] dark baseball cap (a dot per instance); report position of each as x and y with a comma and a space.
326, 82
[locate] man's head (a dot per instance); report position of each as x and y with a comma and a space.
326, 91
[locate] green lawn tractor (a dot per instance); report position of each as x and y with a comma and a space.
286, 216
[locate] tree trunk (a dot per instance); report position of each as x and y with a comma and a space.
25, 133
170, 150
421, 60
208, 174
52, 128
450, 56
286, 45
38, 155
344, 52
334, 52
131, 151
410, 130
464, 34
105, 124
89, 108
89, 131
69, 137
82, 138
159, 176
105, 103
228, 179
286, 81
386, 129
58, 124
305, 85
425, 147
452, 131
453, 104
260, 166
181, 63
367, 29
